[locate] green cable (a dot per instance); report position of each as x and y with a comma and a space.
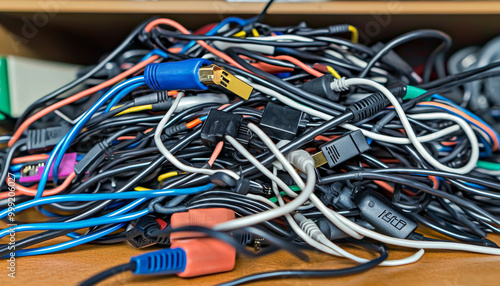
488, 165
413, 92
294, 188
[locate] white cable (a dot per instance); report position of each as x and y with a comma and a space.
397, 241
294, 225
283, 38
320, 241
312, 229
417, 243
295, 176
170, 157
303, 163
341, 84
369, 134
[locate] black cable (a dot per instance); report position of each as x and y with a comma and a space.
130, 266
81, 79
404, 39
192, 37
262, 14
282, 274
363, 175
10, 155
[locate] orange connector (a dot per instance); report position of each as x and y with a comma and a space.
205, 255
198, 217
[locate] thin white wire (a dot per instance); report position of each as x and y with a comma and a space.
331, 248
413, 137
295, 176
284, 38
367, 133
391, 240
273, 213
417, 243
295, 226
171, 158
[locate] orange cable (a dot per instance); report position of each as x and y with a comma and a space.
183, 30
298, 63
32, 191
466, 116
29, 158
77, 97
216, 153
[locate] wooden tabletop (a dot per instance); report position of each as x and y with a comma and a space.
435, 268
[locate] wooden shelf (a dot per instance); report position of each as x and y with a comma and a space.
223, 7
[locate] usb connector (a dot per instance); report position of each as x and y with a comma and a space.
341, 149
193, 74
214, 74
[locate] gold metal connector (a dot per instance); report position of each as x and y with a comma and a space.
319, 159
213, 74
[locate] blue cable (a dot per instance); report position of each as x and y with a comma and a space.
63, 145
106, 196
124, 92
75, 224
114, 217
487, 148
436, 96
82, 239
215, 29
155, 52
47, 213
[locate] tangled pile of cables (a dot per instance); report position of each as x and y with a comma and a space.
243, 134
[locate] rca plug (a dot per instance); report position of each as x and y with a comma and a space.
193, 74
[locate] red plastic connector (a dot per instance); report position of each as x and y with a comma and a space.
198, 217
205, 255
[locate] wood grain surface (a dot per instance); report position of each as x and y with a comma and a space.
72, 266
224, 7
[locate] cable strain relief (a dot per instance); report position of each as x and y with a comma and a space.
165, 261
309, 227
337, 29
162, 96
339, 84
368, 106
172, 130
300, 159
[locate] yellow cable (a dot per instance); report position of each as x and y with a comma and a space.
140, 189
116, 106
136, 109
355, 34
167, 175
333, 72
240, 34
255, 33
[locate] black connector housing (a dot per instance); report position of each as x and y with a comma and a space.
320, 86
145, 233
280, 122
219, 124
95, 152
393, 59
383, 215
40, 140
344, 148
